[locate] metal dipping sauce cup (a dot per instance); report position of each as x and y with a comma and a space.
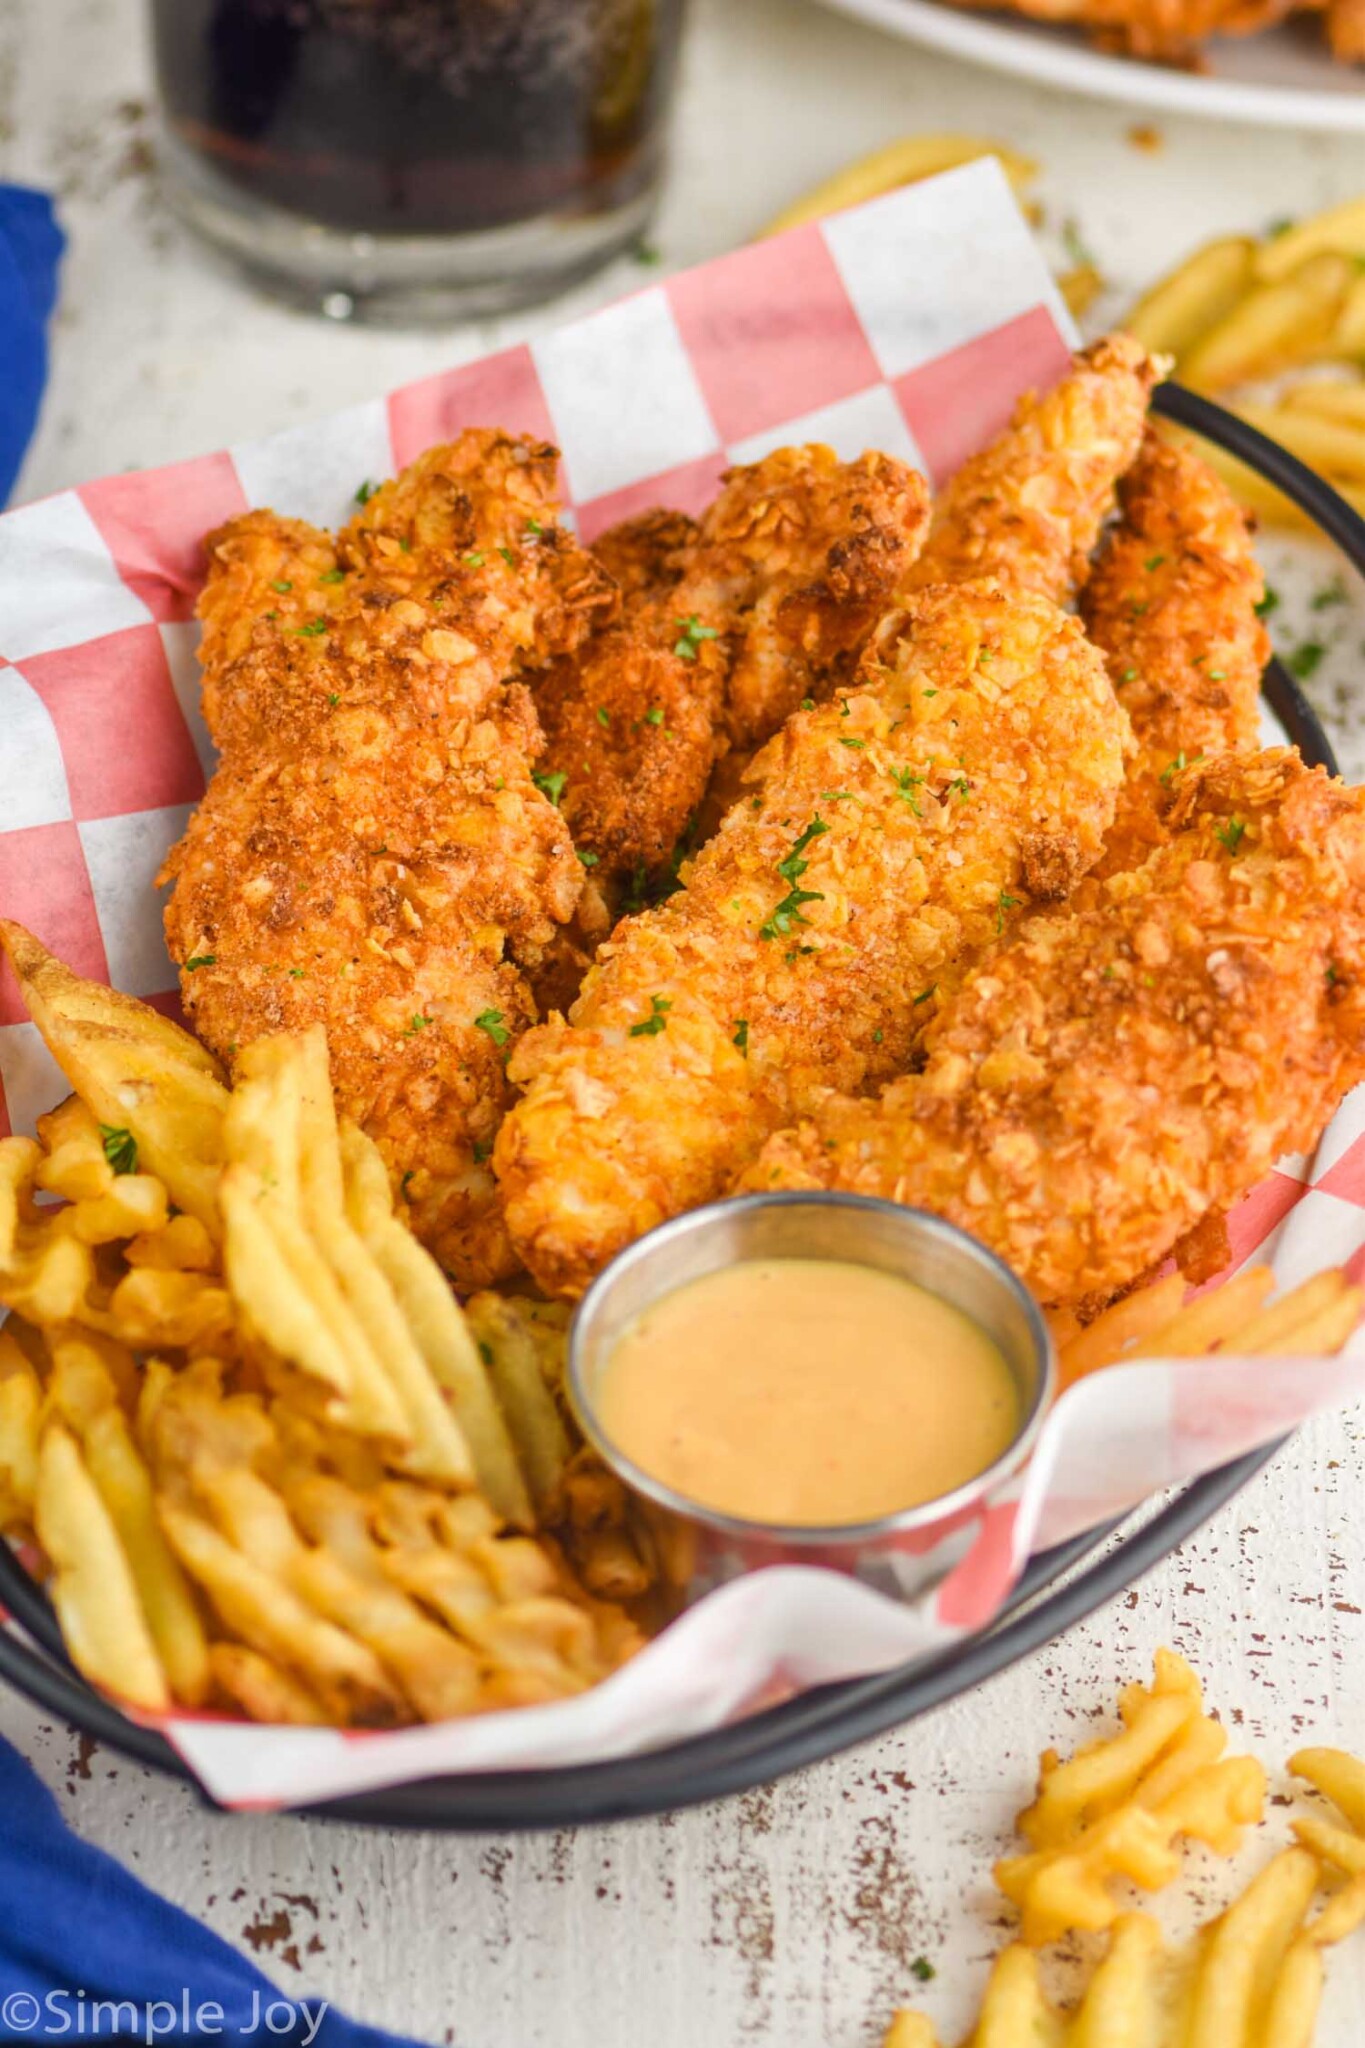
903, 1553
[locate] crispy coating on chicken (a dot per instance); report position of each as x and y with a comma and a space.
647, 555
373, 852
770, 603
1120, 1071
1171, 604
1028, 508
888, 832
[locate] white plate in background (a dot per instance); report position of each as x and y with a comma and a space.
1284, 78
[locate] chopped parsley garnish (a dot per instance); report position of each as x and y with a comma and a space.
1004, 903
1129, 676
741, 1037
1330, 594
283, 587
197, 960
1305, 660
654, 716
646, 253
907, 782
481, 1153
1269, 603
691, 633
925, 994
655, 1022
839, 796
792, 867
788, 912
491, 1022
296, 973
1231, 835
1181, 762
856, 745
551, 786
960, 786
603, 716
1218, 675
1276, 228
533, 526
333, 699
403, 1185
474, 561
416, 1022
1332, 976
843, 707
365, 492
1153, 562
332, 576
120, 1148
923, 1969
312, 630
588, 859
808, 703
508, 557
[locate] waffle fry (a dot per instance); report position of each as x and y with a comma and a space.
1252, 1980
1252, 1977
1319, 1316
139, 1074
1119, 1806
92, 1585
258, 1441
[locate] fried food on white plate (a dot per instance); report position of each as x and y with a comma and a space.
972, 767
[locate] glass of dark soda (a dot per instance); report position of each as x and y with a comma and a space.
416, 160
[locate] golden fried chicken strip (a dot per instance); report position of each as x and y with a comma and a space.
1118, 1072
373, 852
978, 754
1172, 606
1028, 509
646, 556
771, 603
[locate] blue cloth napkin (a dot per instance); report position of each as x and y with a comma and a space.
31, 244
76, 1928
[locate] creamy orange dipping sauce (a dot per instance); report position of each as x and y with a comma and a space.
807, 1391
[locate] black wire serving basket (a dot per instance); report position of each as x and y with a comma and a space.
1059, 1587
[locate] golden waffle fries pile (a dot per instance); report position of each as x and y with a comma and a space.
261, 1456
1289, 307
1251, 1978
1118, 1808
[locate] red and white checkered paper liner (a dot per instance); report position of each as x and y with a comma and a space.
911, 324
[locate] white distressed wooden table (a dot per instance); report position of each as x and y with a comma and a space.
794, 1915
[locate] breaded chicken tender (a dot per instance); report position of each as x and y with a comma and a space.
373, 852
1120, 1072
1171, 604
972, 765
1028, 508
725, 633
647, 555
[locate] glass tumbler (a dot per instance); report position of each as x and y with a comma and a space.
415, 160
